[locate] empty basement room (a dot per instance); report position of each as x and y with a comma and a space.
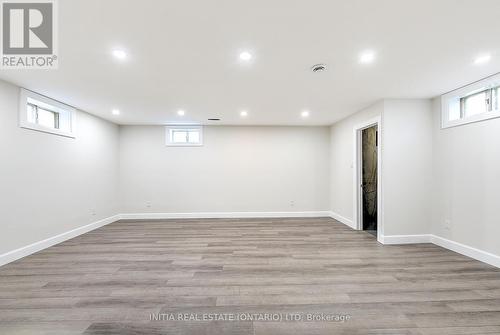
250, 167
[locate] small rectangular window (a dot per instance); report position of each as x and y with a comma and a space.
194, 136
40, 113
184, 135
475, 102
179, 136
43, 117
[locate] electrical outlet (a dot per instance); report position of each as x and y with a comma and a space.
447, 224
93, 212
292, 203
148, 204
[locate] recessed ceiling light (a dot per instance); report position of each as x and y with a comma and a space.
245, 56
482, 59
305, 114
115, 112
367, 57
120, 54
244, 113
181, 112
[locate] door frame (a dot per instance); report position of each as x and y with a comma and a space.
358, 176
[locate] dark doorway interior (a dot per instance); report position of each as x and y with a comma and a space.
369, 157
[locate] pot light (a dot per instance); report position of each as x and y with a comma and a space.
119, 54
243, 113
367, 57
181, 112
115, 112
482, 59
305, 114
245, 56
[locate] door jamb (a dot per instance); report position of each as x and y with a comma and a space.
357, 176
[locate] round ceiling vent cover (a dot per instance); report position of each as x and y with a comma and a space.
318, 68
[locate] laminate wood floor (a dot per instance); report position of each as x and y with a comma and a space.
112, 280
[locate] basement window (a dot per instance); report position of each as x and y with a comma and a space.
184, 135
473, 103
40, 113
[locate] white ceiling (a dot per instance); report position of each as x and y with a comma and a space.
184, 55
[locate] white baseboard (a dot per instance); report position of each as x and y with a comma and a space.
405, 239
460, 248
466, 250
342, 219
37, 246
223, 215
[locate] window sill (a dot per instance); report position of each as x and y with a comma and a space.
41, 129
184, 145
471, 119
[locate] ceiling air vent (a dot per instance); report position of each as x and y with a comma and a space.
318, 68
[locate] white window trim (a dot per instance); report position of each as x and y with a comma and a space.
169, 143
60, 107
447, 98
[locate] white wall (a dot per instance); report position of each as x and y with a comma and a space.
239, 169
342, 160
467, 183
51, 184
406, 164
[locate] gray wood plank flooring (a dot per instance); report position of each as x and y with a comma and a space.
110, 281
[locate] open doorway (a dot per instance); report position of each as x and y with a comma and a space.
369, 180
367, 174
